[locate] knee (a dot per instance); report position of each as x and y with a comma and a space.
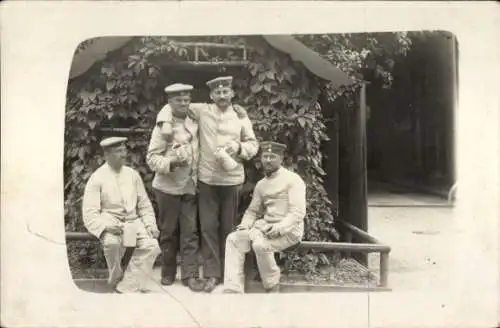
110, 241
259, 246
151, 245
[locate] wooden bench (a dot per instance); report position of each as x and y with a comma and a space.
367, 244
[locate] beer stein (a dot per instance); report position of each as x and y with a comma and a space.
180, 151
129, 237
228, 163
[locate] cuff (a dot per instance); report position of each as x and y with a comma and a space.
98, 232
148, 224
242, 152
247, 224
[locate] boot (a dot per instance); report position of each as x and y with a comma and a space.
274, 289
194, 284
210, 284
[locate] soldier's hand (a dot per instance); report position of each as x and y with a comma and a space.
191, 112
240, 111
233, 147
272, 232
114, 229
262, 225
174, 160
153, 231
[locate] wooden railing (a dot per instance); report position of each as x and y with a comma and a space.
197, 46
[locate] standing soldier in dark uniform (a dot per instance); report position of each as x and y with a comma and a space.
173, 156
226, 139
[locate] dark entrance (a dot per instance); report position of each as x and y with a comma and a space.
410, 130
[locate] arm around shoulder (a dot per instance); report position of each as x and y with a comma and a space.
195, 110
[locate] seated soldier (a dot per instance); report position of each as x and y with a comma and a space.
117, 210
274, 221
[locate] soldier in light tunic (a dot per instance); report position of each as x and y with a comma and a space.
273, 222
117, 210
226, 140
173, 156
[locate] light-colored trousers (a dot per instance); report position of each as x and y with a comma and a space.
140, 267
238, 243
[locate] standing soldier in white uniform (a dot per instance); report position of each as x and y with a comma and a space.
173, 156
274, 221
226, 140
116, 209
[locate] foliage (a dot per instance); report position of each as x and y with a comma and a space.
84, 256
358, 54
281, 97
363, 56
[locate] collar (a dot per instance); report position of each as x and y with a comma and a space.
275, 173
112, 170
178, 119
227, 111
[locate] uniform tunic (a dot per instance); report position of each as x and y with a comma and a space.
111, 198
279, 200
115, 197
217, 128
176, 180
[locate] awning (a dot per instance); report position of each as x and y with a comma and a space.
95, 51
316, 64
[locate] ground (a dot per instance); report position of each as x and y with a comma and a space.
421, 251
420, 229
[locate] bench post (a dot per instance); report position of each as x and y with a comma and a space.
384, 268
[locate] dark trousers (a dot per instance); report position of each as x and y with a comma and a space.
218, 210
178, 232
